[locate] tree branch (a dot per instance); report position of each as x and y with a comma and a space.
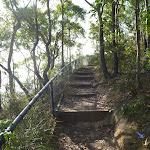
103, 8
49, 20
31, 24
89, 3
17, 80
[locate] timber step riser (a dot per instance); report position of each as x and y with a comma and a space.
83, 77
81, 85
83, 95
83, 73
82, 116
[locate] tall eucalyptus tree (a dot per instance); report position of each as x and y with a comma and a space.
62, 24
114, 32
137, 13
98, 8
147, 4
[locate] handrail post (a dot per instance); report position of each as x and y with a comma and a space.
52, 99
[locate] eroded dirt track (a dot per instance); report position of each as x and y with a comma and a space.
87, 136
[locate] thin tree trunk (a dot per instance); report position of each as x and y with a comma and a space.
101, 40
148, 25
36, 71
69, 45
15, 28
17, 80
0, 90
137, 44
115, 53
47, 43
62, 54
45, 76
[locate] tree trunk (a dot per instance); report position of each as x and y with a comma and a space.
0, 90
148, 25
62, 53
15, 28
137, 44
36, 71
45, 76
101, 40
115, 53
69, 45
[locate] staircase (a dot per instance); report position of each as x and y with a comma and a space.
87, 122
80, 101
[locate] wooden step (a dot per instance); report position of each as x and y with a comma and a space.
84, 70
92, 115
90, 65
83, 77
85, 94
81, 85
83, 73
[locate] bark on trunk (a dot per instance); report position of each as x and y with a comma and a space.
36, 71
137, 44
62, 53
115, 53
0, 90
148, 25
48, 44
15, 28
101, 40
45, 76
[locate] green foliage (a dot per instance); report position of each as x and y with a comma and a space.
4, 124
126, 83
146, 60
130, 109
8, 136
98, 5
35, 131
95, 59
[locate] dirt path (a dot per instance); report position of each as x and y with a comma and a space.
87, 136
114, 132
82, 93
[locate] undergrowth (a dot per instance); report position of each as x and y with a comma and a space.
36, 129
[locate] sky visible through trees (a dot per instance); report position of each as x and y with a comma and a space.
19, 55
38, 38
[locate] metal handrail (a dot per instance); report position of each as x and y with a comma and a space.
31, 103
